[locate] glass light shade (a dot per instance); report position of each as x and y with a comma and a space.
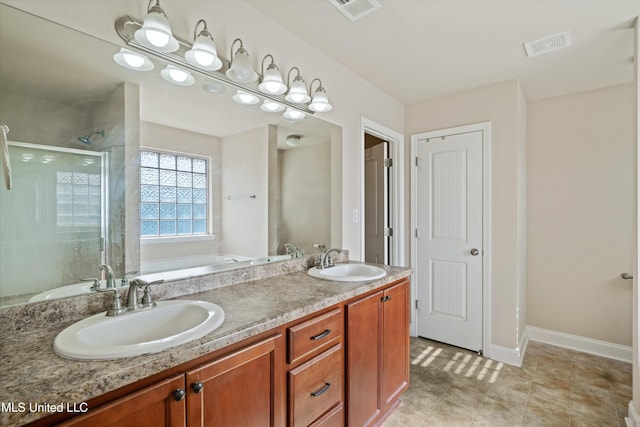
320, 102
293, 140
177, 76
298, 92
292, 114
214, 86
271, 107
241, 70
272, 81
133, 60
245, 98
156, 32
203, 53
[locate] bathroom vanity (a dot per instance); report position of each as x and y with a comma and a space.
293, 350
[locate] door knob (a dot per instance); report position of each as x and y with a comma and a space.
474, 252
626, 276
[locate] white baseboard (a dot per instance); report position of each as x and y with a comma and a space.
633, 419
512, 356
586, 345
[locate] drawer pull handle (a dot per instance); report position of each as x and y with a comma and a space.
320, 336
324, 388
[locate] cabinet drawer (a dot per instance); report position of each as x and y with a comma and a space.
317, 333
333, 418
315, 387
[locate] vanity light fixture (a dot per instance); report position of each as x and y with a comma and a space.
240, 69
177, 76
156, 31
297, 89
271, 107
245, 98
320, 101
189, 62
203, 53
271, 79
133, 60
292, 114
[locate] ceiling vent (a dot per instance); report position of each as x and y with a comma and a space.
356, 9
548, 44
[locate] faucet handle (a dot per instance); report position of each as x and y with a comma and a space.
96, 283
126, 276
147, 301
116, 305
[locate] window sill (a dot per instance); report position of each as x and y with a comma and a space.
176, 239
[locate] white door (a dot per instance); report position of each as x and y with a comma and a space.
376, 204
449, 239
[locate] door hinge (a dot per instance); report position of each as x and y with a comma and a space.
388, 232
417, 304
416, 160
416, 233
388, 163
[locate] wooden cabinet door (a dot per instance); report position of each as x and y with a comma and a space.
395, 343
152, 406
363, 360
243, 388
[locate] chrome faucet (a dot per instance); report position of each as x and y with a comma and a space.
116, 307
109, 275
293, 250
326, 260
125, 278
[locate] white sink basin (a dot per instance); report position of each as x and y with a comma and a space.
169, 324
66, 291
348, 272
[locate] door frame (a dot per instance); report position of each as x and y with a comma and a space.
396, 201
485, 128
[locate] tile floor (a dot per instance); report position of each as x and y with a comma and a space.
554, 387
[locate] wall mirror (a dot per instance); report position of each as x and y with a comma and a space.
78, 122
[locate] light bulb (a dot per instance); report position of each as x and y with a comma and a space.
157, 38
292, 114
133, 59
203, 58
178, 74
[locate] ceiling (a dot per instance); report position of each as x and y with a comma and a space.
419, 49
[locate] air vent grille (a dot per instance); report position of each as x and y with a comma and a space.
548, 44
356, 9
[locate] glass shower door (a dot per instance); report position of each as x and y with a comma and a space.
52, 222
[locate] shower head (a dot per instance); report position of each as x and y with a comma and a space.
87, 139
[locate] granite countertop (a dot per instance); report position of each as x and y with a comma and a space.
31, 373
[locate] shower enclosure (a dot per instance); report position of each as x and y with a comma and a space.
52, 222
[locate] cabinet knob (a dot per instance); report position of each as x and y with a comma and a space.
179, 394
197, 387
385, 298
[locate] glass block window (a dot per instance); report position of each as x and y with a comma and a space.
173, 195
78, 199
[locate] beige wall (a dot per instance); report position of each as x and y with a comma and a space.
498, 103
245, 221
303, 169
581, 204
